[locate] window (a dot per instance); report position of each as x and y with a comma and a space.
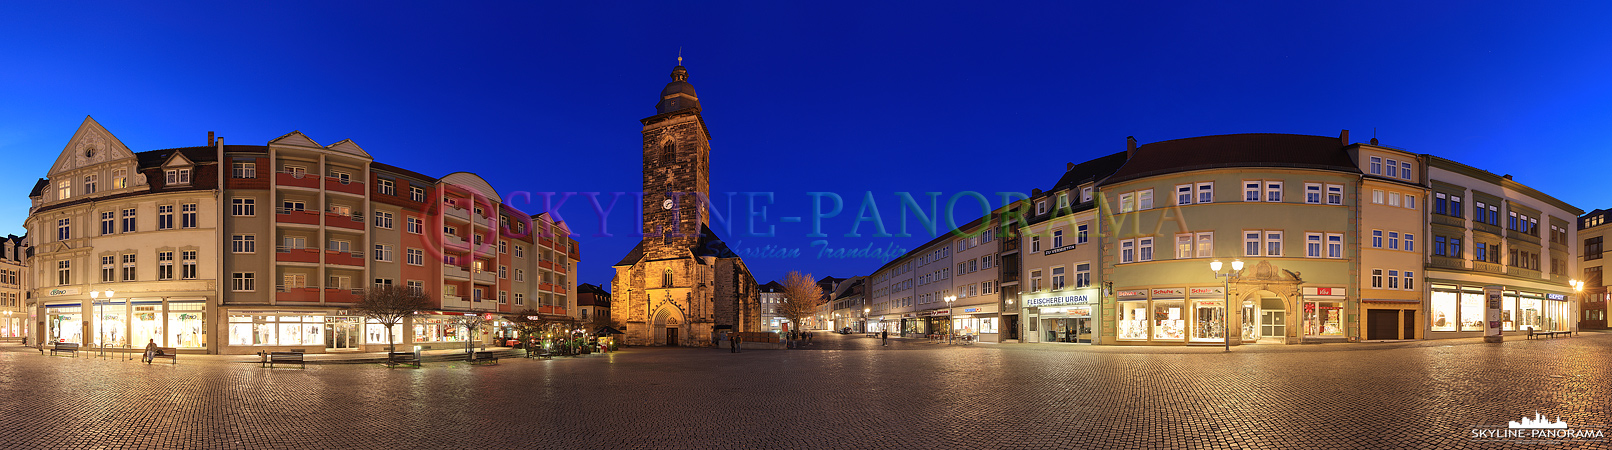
1144, 199
128, 220
1377, 196
1593, 248
503, 272
64, 272
1494, 215
1377, 278
128, 267
165, 217
1376, 238
1376, 165
1393, 240
1480, 251
1251, 243
1183, 194
414, 224
1144, 249
64, 190
503, 247
1127, 202
520, 275
165, 265
383, 252
1273, 243
1057, 278
520, 251
416, 257
243, 243
1035, 280
1455, 206
1334, 194
1393, 199
243, 170
1410, 201
415, 286
1063, 201
89, 184
503, 297
1312, 193
1127, 251
416, 193
1041, 207
520, 299
178, 176
244, 207
1082, 233
666, 278
1085, 194
1441, 203
1393, 168
1183, 246
1405, 170
1206, 245
243, 281
187, 215
1035, 243
109, 269
1312, 245
1334, 245
1206, 192
1410, 242
1406, 281
108, 223
1273, 191
1251, 191
1393, 279
120, 178
1057, 238
383, 220
385, 186
188, 260
64, 229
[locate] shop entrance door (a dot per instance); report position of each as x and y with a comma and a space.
1082, 330
1382, 324
671, 337
1410, 325
341, 333
1273, 324
1012, 325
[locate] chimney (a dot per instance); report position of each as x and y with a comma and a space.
1130, 146
1373, 141
1068, 167
1035, 192
209, 139
1344, 137
1508, 176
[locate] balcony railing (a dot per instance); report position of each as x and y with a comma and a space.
344, 258
457, 213
343, 295
486, 277
286, 215
349, 186
352, 221
454, 302
296, 294
450, 270
289, 254
298, 180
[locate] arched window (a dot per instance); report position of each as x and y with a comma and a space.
666, 278
667, 152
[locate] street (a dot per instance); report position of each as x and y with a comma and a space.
842, 392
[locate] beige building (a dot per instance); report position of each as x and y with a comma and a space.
1392, 240
1061, 241
1593, 232
14, 294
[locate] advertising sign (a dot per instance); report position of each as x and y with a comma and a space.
1491, 303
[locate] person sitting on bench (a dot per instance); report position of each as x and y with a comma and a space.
152, 351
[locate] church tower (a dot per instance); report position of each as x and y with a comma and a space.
681, 285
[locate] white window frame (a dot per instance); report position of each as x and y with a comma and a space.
416, 257
1334, 245
1252, 190
1183, 246
1082, 233
1085, 194
383, 252
243, 207
384, 220
243, 243
1376, 167
1334, 194
1205, 192
1183, 194
1252, 242
1127, 251
1144, 249
1199, 240
1127, 202
1314, 246
385, 186
243, 282
1273, 244
1273, 191
1144, 199
1313, 194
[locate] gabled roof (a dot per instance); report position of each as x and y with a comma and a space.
196, 155
295, 138
633, 256
39, 188
1089, 171
1236, 150
772, 286
401, 171
710, 244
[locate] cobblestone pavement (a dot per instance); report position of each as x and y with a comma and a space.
845, 392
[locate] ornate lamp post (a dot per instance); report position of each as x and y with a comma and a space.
865, 311
1225, 302
951, 332
1578, 300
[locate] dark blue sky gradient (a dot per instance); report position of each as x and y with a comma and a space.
808, 96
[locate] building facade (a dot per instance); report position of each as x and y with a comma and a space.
242, 248
1592, 236
681, 282
772, 298
1062, 256
14, 294
593, 306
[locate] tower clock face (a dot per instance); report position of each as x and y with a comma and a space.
667, 204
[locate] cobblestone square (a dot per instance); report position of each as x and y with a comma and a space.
842, 392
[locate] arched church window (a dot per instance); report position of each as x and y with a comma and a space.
667, 152
666, 278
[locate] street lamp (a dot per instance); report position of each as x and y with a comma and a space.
1578, 298
951, 332
865, 311
1225, 302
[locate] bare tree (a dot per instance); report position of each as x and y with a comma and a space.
389, 305
529, 324
471, 323
801, 297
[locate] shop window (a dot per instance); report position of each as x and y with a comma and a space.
1132, 320
1169, 321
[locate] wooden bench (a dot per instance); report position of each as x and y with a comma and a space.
64, 347
166, 352
271, 358
1550, 334
394, 359
482, 358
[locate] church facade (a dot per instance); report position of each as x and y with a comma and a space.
681, 282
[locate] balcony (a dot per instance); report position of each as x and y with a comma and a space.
455, 302
559, 290
484, 222
344, 258
343, 295
455, 242
545, 242
545, 287
546, 264
282, 215
296, 180
333, 184
349, 221
559, 268
300, 255
1522, 237
452, 271
486, 277
550, 309
296, 294
456, 213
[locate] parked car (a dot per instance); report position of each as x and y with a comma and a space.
846, 330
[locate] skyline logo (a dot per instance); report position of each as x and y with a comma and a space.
1537, 422
1537, 430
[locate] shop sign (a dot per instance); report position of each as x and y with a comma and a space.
1057, 250
1324, 292
1131, 294
908, 315
1059, 300
1217, 290
1170, 292
940, 312
1556, 296
63, 291
1213, 304
1491, 295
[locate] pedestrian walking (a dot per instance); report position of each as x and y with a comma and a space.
733, 344
885, 338
738, 343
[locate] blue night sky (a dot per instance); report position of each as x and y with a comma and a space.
807, 96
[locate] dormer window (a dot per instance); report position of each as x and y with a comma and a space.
64, 189
120, 178
89, 184
178, 176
